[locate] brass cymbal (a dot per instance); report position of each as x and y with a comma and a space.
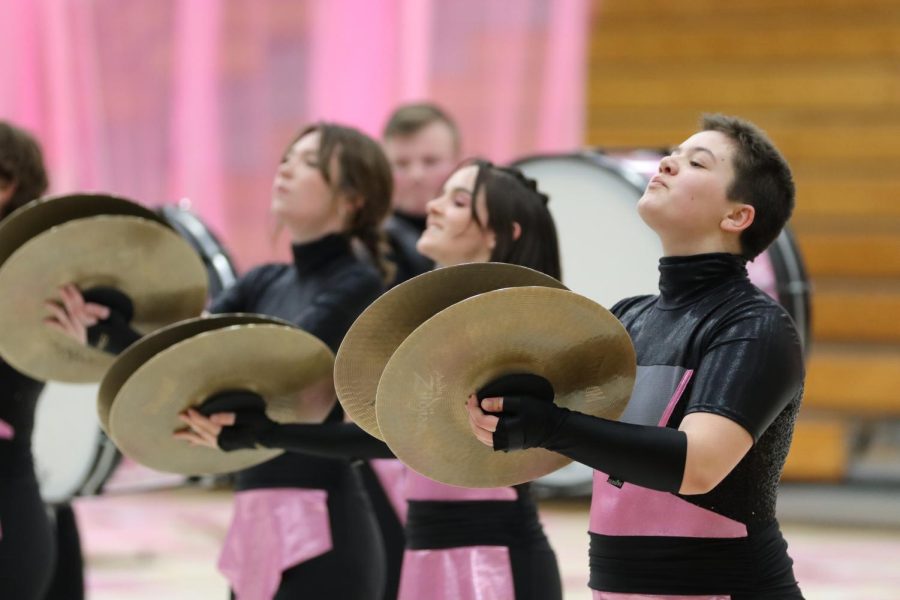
290, 368
161, 273
571, 341
152, 344
40, 215
383, 326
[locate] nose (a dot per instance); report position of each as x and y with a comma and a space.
432, 207
668, 165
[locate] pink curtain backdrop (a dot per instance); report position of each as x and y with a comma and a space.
159, 100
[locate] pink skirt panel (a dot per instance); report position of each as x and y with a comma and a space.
419, 487
392, 474
473, 573
271, 531
635, 510
6, 431
616, 596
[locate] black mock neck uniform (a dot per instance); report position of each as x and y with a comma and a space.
709, 342
322, 292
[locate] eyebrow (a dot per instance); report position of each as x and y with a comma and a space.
678, 150
459, 189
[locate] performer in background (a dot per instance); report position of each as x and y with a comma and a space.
423, 145
686, 482
302, 523
40, 554
454, 551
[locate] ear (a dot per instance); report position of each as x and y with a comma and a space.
490, 239
516, 231
7, 189
740, 216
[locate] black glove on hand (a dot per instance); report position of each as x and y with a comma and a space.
529, 415
250, 419
113, 334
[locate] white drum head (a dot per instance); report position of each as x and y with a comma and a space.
607, 251
69, 448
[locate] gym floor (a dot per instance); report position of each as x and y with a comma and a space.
164, 544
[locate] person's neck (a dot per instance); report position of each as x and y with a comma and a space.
695, 246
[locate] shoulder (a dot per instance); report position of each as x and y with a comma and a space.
632, 305
356, 277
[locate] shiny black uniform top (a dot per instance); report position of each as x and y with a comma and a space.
748, 366
322, 292
403, 231
18, 401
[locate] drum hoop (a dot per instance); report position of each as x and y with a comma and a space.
207, 244
794, 290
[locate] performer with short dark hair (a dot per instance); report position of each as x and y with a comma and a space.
686, 482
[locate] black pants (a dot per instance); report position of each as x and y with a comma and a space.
535, 572
390, 527
27, 548
68, 576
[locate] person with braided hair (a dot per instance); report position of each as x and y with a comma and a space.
461, 543
301, 522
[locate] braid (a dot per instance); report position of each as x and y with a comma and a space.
376, 245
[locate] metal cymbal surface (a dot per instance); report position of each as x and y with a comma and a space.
161, 273
152, 344
383, 326
40, 215
289, 368
574, 343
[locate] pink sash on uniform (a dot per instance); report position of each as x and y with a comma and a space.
391, 474
271, 531
468, 573
472, 573
6, 431
615, 596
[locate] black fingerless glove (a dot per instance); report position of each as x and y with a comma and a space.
113, 334
250, 419
649, 456
529, 415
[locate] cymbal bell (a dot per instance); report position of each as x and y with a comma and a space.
290, 368
158, 270
576, 344
153, 343
383, 326
40, 215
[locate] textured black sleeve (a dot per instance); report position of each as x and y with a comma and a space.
330, 440
331, 312
751, 370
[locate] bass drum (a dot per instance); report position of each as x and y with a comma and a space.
608, 253
73, 457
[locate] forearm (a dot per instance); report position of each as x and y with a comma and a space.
330, 440
648, 456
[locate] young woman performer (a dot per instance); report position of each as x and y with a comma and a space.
685, 483
462, 544
301, 523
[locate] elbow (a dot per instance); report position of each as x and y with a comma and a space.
698, 481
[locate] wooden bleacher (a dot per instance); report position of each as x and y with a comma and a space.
822, 78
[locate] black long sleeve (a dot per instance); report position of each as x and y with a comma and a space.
329, 440
645, 455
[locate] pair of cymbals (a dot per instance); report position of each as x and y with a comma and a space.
181, 366
89, 240
411, 360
